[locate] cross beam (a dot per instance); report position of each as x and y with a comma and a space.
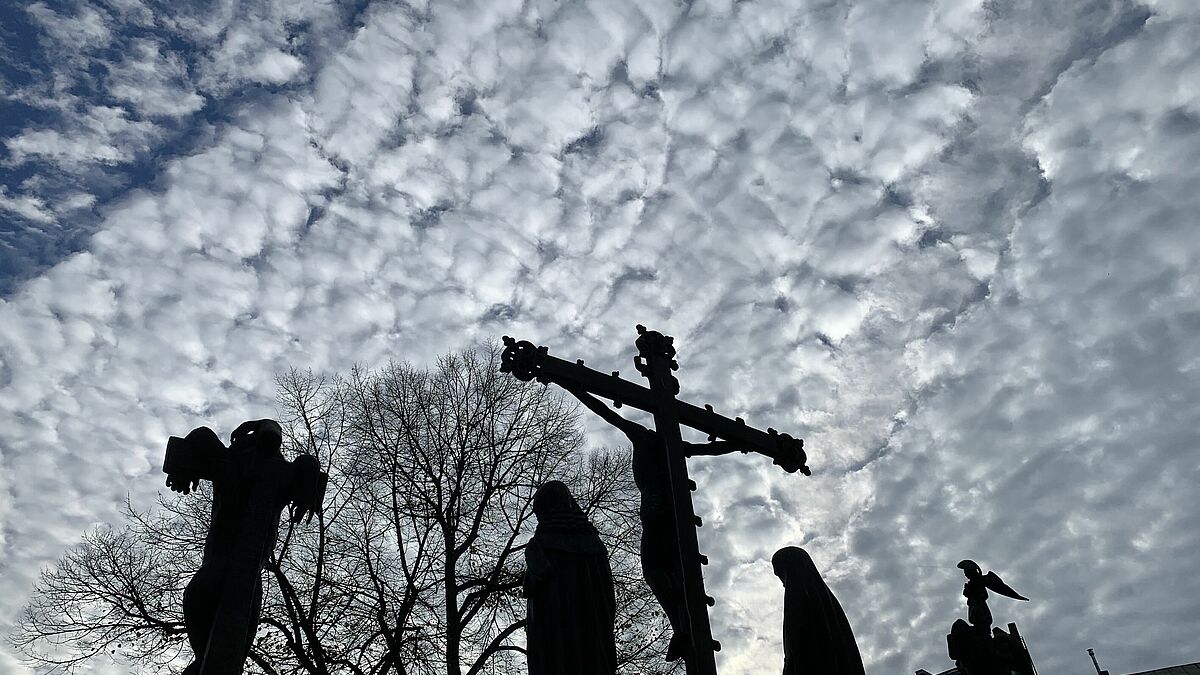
656, 361
528, 362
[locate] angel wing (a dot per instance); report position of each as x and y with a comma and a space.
994, 583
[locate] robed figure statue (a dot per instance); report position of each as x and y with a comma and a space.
817, 639
569, 587
252, 483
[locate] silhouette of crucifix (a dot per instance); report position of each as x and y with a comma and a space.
671, 560
252, 483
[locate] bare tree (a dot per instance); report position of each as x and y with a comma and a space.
111, 594
415, 565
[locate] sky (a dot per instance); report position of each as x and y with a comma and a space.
950, 243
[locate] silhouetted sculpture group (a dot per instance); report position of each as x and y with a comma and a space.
670, 559
976, 647
571, 604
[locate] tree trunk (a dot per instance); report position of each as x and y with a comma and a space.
453, 616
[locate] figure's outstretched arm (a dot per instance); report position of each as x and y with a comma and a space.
789, 454
308, 487
630, 429
192, 458
711, 449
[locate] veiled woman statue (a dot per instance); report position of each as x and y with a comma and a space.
817, 639
569, 587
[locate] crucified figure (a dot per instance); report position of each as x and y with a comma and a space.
661, 565
252, 483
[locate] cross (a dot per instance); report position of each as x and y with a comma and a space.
252, 482
656, 361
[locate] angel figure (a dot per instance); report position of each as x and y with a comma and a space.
976, 591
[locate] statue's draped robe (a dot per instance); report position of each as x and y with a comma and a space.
817, 639
568, 583
978, 612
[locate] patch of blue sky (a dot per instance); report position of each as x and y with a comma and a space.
30, 244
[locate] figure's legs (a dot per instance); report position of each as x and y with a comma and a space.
200, 599
660, 570
255, 612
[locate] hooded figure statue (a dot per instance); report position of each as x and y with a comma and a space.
817, 639
569, 587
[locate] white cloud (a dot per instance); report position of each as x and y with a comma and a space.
101, 135
155, 82
87, 29
25, 206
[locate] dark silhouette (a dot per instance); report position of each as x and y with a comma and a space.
977, 648
817, 638
251, 484
670, 554
569, 586
975, 591
660, 544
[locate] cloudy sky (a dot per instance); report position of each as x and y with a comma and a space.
951, 243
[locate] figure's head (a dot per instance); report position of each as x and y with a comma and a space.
271, 435
264, 434
553, 497
557, 510
791, 563
970, 568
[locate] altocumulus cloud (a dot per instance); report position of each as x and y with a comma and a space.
950, 243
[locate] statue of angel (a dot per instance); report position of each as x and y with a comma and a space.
976, 591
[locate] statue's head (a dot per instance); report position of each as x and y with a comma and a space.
970, 568
553, 497
556, 509
270, 435
792, 563
265, 435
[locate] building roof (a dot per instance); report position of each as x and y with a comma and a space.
1186, 669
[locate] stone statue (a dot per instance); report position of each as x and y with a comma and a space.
977, 648
975, 591
672, 564
817, 638
252, 483
661, 567
568, 583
